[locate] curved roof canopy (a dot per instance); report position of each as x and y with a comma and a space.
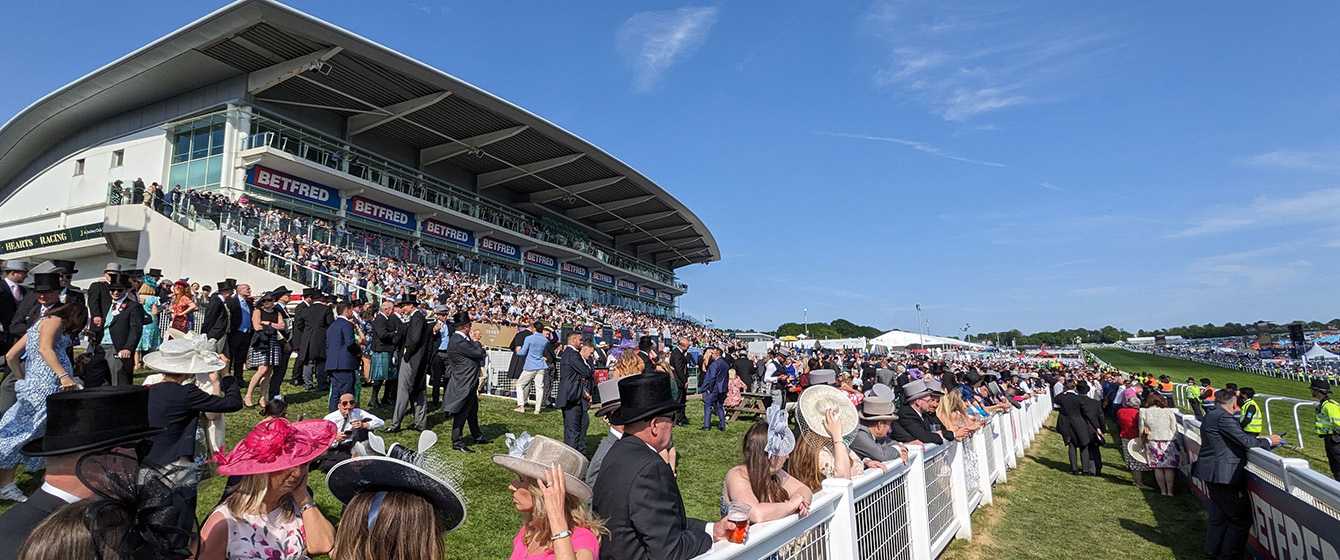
290, 58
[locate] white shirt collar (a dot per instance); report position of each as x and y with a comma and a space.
616, 433
57, 492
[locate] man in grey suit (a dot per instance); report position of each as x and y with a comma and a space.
609, 403
872, 440
1222, 466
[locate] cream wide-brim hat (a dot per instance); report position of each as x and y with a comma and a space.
818, 399
186, 354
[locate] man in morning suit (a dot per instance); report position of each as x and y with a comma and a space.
298, 330
121, 335
44, 297
99, 300
414, 351
343, 355
316, 319
712, 386
13, 294
1080, 423
78, 423
636, 492
679, 366
465, 356
916, 419
218, 322
574, 390
646, 347
1222, 464
239, 344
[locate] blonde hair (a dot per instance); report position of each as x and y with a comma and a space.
803, 464
950, 404
65, 534
407, 528
538, 535
249, 497
147, 290
629, 363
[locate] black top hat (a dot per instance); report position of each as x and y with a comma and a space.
119, 282
407, 298
154, 272
65, 266
461, 318
225, 285
92, 419
642, 397
135, 273
279, 292
46, 282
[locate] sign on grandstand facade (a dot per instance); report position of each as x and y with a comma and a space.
51, 238
598, 277
665, 297
273, 181
500, 248
541, 260
646, 291
382, 213
575, 270
626, 285
449, 233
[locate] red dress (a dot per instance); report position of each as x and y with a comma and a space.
1128, 420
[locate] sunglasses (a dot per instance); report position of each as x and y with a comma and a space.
346, 403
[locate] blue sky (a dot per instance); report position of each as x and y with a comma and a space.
1034, 166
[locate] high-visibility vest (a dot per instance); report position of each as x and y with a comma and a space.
1207, 402
1253, 426
1328, 418
1166, 388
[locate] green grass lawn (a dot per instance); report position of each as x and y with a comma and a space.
491, 521
1281, 413
1045, 512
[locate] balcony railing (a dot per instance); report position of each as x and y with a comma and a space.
275, 133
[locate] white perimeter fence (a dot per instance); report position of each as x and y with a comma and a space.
909, 512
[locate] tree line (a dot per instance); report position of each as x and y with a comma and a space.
1112, 334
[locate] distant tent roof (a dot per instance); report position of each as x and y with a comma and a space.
904, 339
1319, 353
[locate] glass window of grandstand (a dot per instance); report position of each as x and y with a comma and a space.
197, 153
78, 167
118, 158
541, 282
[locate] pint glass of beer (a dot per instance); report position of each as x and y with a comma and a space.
738, 517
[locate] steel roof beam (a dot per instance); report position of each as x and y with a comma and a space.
273, 75
495, 178
649, 235
441, 152
617, 223
358, 124
603, 207
550, 195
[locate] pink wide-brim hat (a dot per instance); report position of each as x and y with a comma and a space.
277, 444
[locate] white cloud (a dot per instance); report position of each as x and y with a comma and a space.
1252, 269
915, 145
1312, 207
1317, 160
654, 41
1050, 187
936, 56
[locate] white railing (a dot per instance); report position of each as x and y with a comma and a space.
1295, 510
908, 512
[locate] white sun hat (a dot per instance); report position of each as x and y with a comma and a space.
187, 354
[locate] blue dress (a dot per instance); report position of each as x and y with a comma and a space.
150, 336
27, 419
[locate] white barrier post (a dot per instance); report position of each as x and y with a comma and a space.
998, 450
980, 448
1017, 423
958, 490
918, 520
1007, 439
842, 534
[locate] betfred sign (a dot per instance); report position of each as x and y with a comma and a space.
449, 233
268, 179
598, 277
646, 291
500, 248
541, 260
665, 297
382, 213
575, 270
626, 285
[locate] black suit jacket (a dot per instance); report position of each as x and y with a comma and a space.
298, 326
17, 523
416, 346
316, 319
383, 334
679, 364
218, 321
518, 361
648, 366
27, 314
1080, 419
464, 359
744, 369
911, 425
128, 325
8, 305
637, 494
176, 408
1223, 449
99, 299
574, 377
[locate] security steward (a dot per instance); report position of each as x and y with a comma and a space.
1328, 423
1253, 419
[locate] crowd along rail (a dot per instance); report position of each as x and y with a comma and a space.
1295, 510
907, 512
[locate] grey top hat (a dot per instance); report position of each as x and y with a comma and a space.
882, 391
876, 408
934, 385
609, 397
823, 377
112, 267
916, 389
16, 265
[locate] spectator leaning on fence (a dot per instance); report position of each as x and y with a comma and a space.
760, 481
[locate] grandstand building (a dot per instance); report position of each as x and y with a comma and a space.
263, 101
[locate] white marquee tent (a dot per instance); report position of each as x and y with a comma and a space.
903, 339
1319, 353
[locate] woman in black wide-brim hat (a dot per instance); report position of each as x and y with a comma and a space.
44, 370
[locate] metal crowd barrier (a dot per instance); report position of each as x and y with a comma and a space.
1296, 406
908, 512
1295, 510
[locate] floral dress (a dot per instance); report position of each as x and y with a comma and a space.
274, 536
27, 419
